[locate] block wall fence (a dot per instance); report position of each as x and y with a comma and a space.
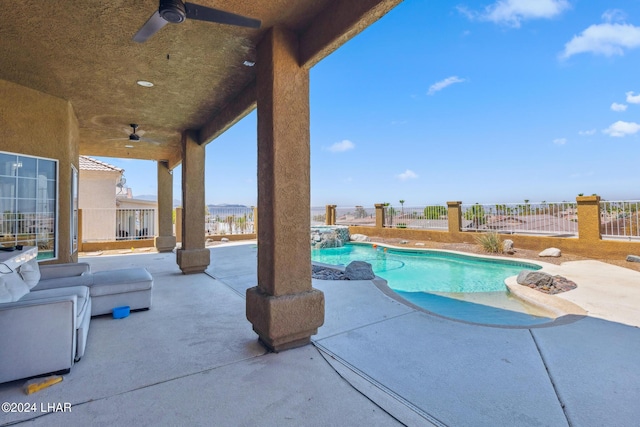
588, 243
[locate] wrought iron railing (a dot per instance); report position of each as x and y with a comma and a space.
620, 219
544, 218
229, 220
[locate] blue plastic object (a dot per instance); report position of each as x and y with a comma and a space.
121, 312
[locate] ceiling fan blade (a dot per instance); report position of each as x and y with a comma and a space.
150, 141
202, 13
152, 26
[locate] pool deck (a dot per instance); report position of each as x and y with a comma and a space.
194, 360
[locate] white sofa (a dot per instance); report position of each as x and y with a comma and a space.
45, 311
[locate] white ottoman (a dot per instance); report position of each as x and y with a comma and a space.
116, 288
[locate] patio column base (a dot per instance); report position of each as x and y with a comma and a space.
193, 260
287, 321
165, 243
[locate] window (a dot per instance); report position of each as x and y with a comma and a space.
28, 200
74, 209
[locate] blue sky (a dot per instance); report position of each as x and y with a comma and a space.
479, 101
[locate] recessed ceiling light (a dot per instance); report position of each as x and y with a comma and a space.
144, 83
128, 146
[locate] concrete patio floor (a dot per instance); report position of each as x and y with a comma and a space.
194, 360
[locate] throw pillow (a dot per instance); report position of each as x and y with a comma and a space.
30, 273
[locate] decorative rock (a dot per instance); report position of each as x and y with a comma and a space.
326, 273
507, 246
359, 238
419, 244
224, 239
331, 236
359, 270
404, 242
544, 282
633, 258
536, 278
551, 252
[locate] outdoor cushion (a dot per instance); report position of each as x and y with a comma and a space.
81, 292
12, 288
121, 281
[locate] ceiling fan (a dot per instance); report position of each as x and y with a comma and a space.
175, 12
136, 136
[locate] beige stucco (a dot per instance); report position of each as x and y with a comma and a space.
284, 309
37, 124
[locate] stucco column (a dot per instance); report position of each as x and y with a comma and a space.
454, 216
330, 215
379, 215
589, 218
193, 257
165, 241
284, 309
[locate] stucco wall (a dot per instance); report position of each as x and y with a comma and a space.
42, 125
98, 189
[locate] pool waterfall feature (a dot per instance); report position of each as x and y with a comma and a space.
329, 236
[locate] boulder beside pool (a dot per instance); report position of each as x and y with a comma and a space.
359, 270
551, 252
544, 282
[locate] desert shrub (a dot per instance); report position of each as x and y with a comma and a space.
490, 241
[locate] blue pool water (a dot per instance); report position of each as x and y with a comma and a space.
453, 285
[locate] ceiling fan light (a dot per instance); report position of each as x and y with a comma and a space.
172, 11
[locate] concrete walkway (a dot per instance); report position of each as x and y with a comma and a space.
194, 360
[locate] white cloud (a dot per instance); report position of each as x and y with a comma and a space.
587, 132
620, 129
513, 12
408, 174
614, 15
633, 99
444, 83
560, 141
604, 39
618, 107
344, 145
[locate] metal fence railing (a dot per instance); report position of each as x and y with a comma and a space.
229, 220
357, 215
620, 219
318, 215
107, 225
431, 217
28, 229
552, 219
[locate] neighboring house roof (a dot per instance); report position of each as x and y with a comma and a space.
90, 164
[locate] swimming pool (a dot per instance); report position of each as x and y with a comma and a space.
453, 285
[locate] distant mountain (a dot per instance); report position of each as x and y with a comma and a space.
226, 205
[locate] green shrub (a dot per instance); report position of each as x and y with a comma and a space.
490, 241
435, 212
401, 225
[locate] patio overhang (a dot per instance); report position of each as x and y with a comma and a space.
73, 68
84, 53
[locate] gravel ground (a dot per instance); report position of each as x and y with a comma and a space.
462, 247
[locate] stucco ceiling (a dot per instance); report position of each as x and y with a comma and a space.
82, 51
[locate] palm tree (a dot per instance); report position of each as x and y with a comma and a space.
402, 207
